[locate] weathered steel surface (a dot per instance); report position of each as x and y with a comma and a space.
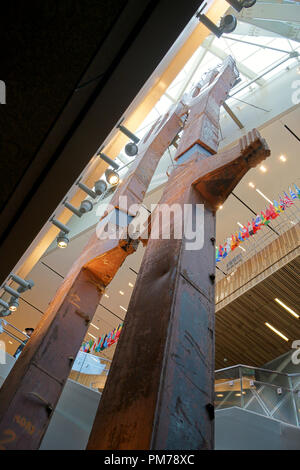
31, 392
159, 393
35, 383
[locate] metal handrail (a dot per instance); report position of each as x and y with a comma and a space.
257, 368
259, 383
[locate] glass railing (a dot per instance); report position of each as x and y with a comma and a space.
270, 393
90, 370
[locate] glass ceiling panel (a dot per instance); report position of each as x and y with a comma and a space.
263, 59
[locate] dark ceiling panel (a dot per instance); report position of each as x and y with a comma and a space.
45, 48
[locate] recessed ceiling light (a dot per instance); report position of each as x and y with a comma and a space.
282, 158
264, 196
237, 394
123, 308
276, 331
220, 395
287, 308
10, 342
121, 292
107, 296
220, 207
252, 185
130, 285
92, 324
242, 248
92, 336
240, 225
263, 169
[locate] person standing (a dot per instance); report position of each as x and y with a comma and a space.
29, 332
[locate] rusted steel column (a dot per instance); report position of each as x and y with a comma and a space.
30, 394
160, 390
157, 388
32, 389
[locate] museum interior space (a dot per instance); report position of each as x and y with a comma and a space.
77, 158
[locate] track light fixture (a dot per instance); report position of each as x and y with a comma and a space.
13, 304
11, 291
62, 240
238, 5
86, 206
100, 187
15, 294
24, 285
131, 149
60, 225
87, 190
108, 160
112, 177
5, 313
4, 304
72, 208
227, 24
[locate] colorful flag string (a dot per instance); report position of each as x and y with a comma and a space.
103, 342
264, 218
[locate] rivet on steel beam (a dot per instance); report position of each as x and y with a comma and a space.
210, 410
212, 277
84, 316
49, 407
71, 358
213, 240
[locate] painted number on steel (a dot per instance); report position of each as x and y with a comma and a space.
24, 423
10, 436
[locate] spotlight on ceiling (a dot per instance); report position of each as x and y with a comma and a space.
112, 177
62, 240
72, 208
4, 304
238, 5
131, 148
100, 187
86, 189
108, 160
86, 206
13, 305
24, 285
227, 24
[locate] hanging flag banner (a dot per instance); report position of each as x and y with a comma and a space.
103, 342
264, 218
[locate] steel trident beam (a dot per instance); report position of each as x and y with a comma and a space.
33, 387
160, 390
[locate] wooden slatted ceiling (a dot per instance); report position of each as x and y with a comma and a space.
241, 334
275, 255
